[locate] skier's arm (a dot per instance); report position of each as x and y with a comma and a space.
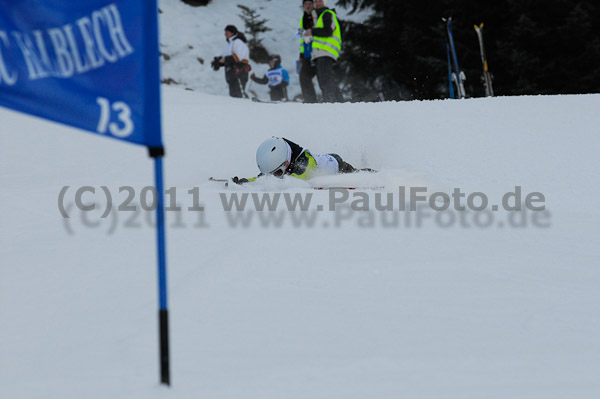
261, 81
242, 180
286, 77
230, 59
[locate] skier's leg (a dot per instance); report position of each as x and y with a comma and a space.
307, 73
230, 78
276, 93
345, 167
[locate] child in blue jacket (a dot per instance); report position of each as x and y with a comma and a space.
277, 78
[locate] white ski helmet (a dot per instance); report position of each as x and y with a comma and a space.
272, 155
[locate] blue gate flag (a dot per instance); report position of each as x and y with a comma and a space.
90, 64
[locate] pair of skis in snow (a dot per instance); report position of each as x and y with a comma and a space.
487, 77
455, 75
254, 97
226, 184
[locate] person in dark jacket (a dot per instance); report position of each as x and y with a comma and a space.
306, 69
277, 78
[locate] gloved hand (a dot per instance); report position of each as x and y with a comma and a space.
237, 180
253, 76
299, 33
216, 63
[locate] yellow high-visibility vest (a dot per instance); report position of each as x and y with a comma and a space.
301, 39
331, 44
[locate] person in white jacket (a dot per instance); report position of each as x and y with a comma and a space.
235, 58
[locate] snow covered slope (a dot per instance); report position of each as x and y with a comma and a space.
354, 306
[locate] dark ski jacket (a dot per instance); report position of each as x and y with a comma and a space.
307, 22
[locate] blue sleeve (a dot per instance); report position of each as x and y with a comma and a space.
286, 76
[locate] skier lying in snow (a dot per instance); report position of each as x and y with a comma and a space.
279, 156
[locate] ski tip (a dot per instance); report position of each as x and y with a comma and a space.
224, 181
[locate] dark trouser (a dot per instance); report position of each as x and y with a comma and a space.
307, 73
237, 86
327, 83
278, 93
236, 79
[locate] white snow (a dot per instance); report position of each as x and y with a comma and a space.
354, 306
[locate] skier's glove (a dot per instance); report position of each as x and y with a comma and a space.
237, 180
215, 64
253, 76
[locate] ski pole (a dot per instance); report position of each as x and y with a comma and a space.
451, 86
244, 95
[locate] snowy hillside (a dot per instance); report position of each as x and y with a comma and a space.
313, 304
192, 36
350, 307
